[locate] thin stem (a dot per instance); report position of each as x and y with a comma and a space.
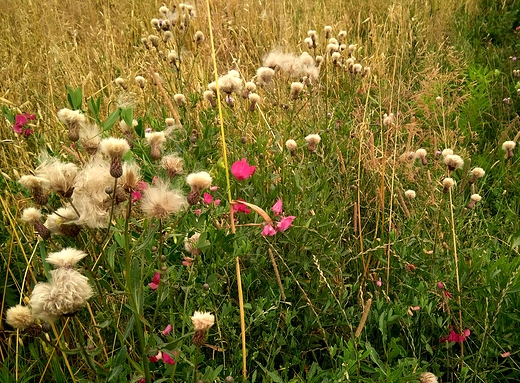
196, 364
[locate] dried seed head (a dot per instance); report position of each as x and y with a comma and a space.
19, 317
66, 258
198, 37
190, 244
172, 164
312, 140
428, 377
410, 194
264, 76
140, 81
453, 162
296, 88
180, 99
121, 82
202, 321
447, 184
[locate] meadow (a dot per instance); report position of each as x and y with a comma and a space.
259, 191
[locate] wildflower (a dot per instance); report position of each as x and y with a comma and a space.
120, 81
159, 201
242, 170
342, 35
19, 317
250, 87
208, 198
454, 337
156, 141
453, 162
63, 222
64, 295
447, 184
264, 76
254, 99
130, 180
314, 37
240, 207
410, 194
20, 121
198, 37
268, 230
366, 71
230, 101
285, 223
167, 330
33, 216
61, 176
440, 285
352, 49
296, 88
388, 119
139, 80
312, 140
475, 174
379, 283
197, 182
74, 119
202, 322
156, 358
421, 154
505, 354
508, 147
172, 164
357, 68
411, 310
38, 186
428, 377
447, 152
187, 261
197, 212
66, 258
328, 31
291, 145
180, 99
190, 244
209, 96
156, 279
473, 200
277, 207
90, 136
319, 60
167, 358
115, 149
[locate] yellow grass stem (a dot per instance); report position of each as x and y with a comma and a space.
228, 185
366, 310
277, 274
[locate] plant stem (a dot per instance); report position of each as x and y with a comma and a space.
196, 364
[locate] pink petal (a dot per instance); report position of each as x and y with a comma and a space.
208, 198
268, 230
242, 170
30, 116
277, 207
18, 128
241, 207
153, 286
141, 185
156, 278
28, 132
197, 212
167, 330
505, 354
217, 202
21, 119
136, 196
213, 188
168, 359
285, 223
156, 358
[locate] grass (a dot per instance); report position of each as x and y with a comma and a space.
356, 238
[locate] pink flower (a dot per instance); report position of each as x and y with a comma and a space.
20, 121
28, 132
447, 294
167, 358
156, 358
505, 354
197, 212
136, 196
379, 283
141, 185
440, 285
187, 261
208, 198
167, 330
277, 207
268, 230
285, 223
241, 207
213, 188
142, 380
242, 170
216, 202
155, 281
454, 337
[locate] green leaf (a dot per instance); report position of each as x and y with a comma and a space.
111, 120
127, 114
274, 376
75, 97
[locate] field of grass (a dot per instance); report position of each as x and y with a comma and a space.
259, 191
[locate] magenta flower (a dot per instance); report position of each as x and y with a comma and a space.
379, 283
285, 223
242, 170
240, 207
277, 208
208, 198
136, 196
167, 330
454, 337
20, 121
155, 281
156, 358
213, 188
197, 212
268, 231
167, 358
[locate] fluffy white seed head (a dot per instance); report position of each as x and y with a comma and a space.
199, 181
202, 321
31, 215
159, 201
114, 148
67, 257
508, 145
410, 194
19, 317
264, 76
313, 139
478, 172
291, 144
453, 161
476, 197
420, 153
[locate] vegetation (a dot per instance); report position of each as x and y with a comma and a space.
234, 196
